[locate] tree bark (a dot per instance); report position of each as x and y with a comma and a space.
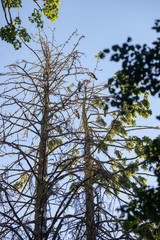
88, 185
41, 183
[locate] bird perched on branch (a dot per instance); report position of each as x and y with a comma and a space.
77, 114
92, 75
80, 86
105, 110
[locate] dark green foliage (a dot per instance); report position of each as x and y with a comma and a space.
9, 34
140, 70
36, 18
139, 74
152, 157
12, 4
144, 209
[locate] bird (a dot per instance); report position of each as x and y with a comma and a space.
92, 75
105, 110
77, 114
80, 86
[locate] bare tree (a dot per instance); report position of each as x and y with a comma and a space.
62, 169
37, 136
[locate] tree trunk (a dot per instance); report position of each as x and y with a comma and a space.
41, 182
88, 185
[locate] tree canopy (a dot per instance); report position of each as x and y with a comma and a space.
140, 70
14, 31
139, 73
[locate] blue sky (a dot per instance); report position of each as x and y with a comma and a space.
103, 23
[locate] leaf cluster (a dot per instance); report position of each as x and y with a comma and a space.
53, 143
50, 9
14, 32
140, 70
9, 34
20, 183
144, 209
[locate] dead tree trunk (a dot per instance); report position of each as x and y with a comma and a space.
88, 185
41, 183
